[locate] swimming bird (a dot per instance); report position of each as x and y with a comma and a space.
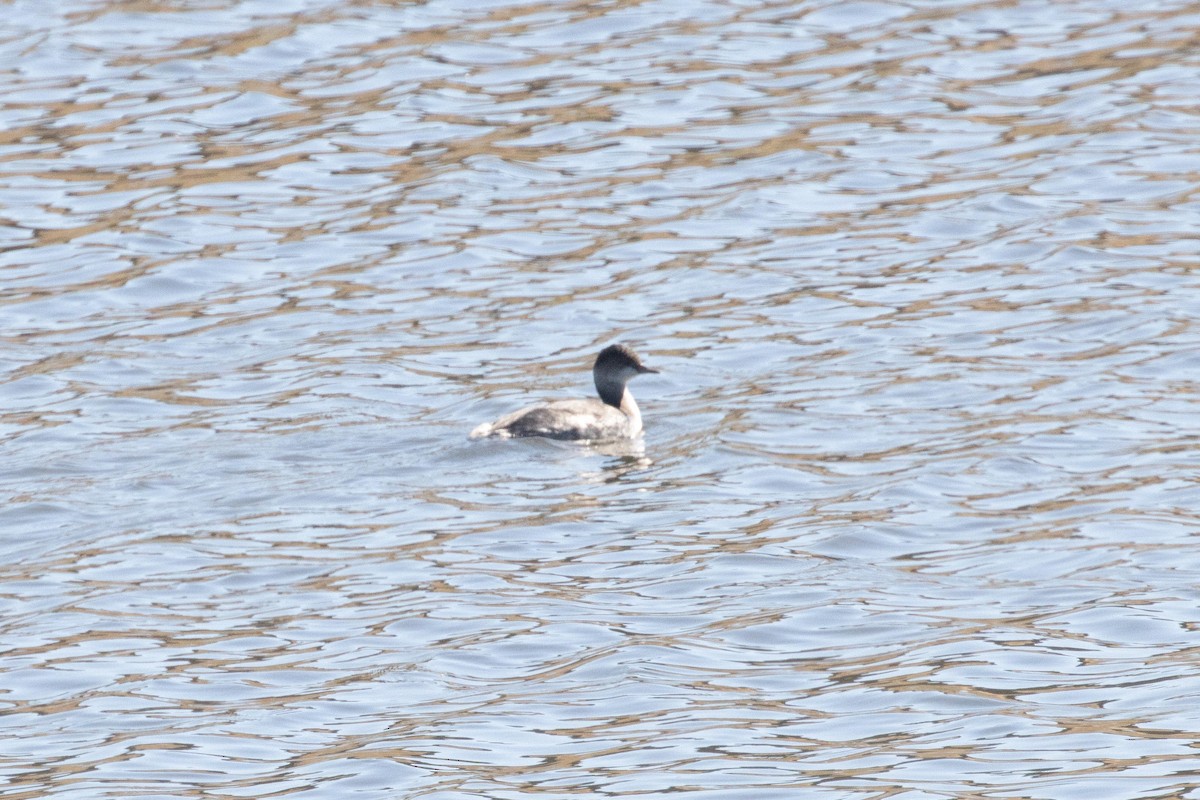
614, 416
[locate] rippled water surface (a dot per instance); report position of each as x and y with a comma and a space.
915, 514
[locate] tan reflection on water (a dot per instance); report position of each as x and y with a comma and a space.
914, 511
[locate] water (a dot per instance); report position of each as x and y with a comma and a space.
914, 515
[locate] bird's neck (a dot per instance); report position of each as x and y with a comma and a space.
629, 407
612, 392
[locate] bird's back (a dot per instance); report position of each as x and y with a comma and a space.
563, 419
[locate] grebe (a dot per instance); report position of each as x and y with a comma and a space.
614, 416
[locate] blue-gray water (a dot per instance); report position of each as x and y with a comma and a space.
915, 514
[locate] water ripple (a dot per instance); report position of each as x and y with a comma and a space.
914, 511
